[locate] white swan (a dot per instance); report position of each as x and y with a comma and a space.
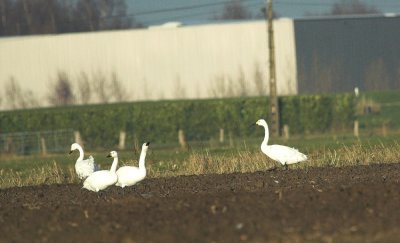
102, 179
130, 175
83, 168
283, 154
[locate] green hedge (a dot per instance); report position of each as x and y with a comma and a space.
159, 121
317, 113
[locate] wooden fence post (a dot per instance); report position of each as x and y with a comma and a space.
384, 130
221, 135
286, 134
356, 126
231, 142
78, 139
122, 136
43, 147
182, 139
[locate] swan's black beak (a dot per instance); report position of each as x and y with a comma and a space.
148, 143
70, 152
108, 156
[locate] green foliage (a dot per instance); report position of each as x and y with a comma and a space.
160, 121
387, 106
317, 113
344, 111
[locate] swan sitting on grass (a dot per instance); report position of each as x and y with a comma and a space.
83, 168
102, 179
283, 154
130, 175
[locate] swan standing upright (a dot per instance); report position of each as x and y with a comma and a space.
83, 168
102, 179
130, 175
283, 154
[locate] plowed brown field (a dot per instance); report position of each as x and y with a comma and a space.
349, 204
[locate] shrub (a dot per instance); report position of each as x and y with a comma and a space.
160, 121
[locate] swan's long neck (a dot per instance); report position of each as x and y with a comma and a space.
266, 137
141, 160
114, 165
80, 153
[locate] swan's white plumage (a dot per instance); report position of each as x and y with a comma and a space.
102, 179
130, 175
83, 167
283, 154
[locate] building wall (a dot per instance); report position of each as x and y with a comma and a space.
338, 54
183, 62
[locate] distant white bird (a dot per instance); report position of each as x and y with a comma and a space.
130, 175
283, 154
356, 91
102, 179
83, 168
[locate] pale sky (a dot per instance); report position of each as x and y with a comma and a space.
153, 12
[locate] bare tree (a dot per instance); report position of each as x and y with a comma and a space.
259, 85
60, 92
223, 87
228, 87
28, 14
90, 14
16, 97
106, 8
37, 17
113, 14
13, 93
83, 88
346, 7
51, 5
118, 91
218, 87
64, 16
230, 91
179, 90
322, 75
15, 18
235, 10
20, 17
30, 100
376, 76
241, 85
4, 6
101, 15
105, 89
100, 87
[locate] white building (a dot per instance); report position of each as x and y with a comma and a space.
201, 61
155, 63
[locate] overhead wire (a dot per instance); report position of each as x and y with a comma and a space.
247, 4
187, 7
203, 13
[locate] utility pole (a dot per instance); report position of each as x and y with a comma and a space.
273, 98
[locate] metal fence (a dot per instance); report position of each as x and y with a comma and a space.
43, 142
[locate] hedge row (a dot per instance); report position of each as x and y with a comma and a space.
159, 121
